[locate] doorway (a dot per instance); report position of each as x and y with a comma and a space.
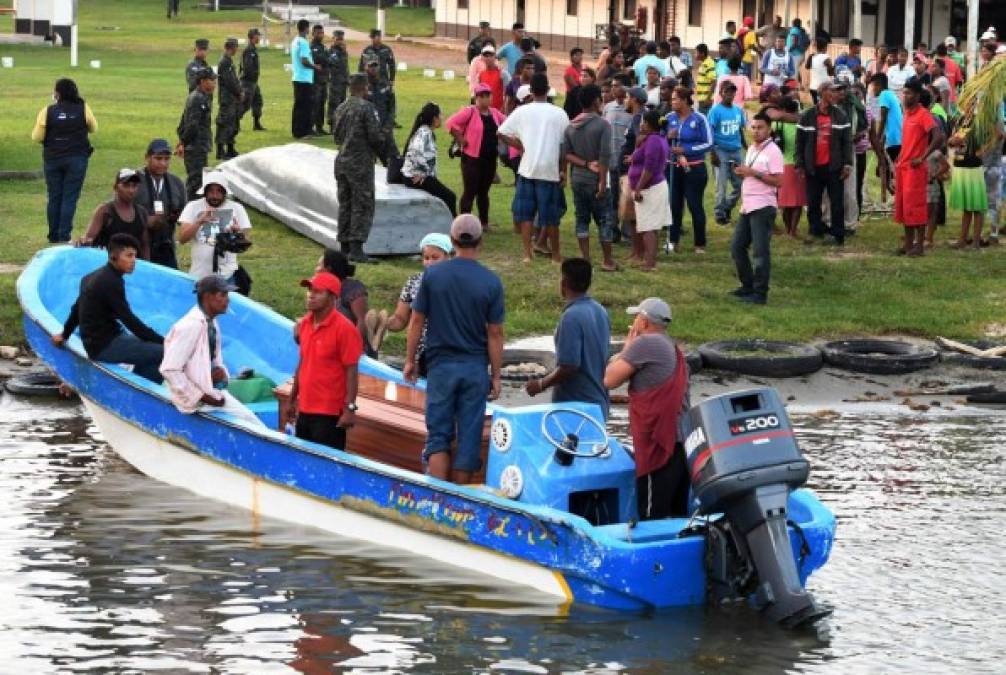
894, 24
519, 11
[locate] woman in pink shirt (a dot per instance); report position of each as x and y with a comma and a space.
474, 129
743, 83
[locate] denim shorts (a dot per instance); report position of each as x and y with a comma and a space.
456, 393
588, 206
543, 198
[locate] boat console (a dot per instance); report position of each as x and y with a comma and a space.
560, 455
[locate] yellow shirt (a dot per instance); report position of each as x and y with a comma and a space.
749, 40
38, 133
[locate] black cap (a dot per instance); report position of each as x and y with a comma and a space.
230, 42
356, 79
213, 283
483, 24
252, 32
205, 74
202, 43
159, 146
915, 84
339, 33
375, 32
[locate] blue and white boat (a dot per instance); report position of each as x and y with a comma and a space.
553, 515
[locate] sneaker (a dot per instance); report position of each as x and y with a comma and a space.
669, 247
740, 292
753, 299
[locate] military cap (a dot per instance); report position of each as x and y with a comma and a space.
252, 32
202, 43
483, 24
338, 33
205, 74
357, 79
230, 42
375, 32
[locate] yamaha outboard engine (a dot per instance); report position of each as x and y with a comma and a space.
744, 462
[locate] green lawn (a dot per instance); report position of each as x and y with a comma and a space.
405, 21
138, 94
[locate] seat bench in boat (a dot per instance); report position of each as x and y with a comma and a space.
390, 424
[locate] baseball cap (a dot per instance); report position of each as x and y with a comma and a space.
523, 92
988, 35
466, 228
127, 176
482, 89
324, 281
441, 241
749, 21
638, 93
951, 41
253, 32
159, 146
230, 42
214, 178
654, 309
488, 49
213, 283
202, 43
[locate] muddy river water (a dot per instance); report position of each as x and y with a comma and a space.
102, 568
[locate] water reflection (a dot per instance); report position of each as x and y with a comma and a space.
105, 569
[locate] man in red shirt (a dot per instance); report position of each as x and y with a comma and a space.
323, 397
920, 137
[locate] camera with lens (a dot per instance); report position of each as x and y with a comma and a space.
231, 242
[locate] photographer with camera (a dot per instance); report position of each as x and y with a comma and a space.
218, 229
162, 194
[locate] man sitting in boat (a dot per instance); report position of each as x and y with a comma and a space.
193, 364
657, 373
323, 397
101, 310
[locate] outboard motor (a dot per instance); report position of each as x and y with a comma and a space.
744, 462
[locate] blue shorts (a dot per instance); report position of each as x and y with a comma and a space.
541, 198
456, 393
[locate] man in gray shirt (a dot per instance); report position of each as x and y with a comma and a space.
586, 145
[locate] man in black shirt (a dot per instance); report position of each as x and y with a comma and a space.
162, 194
102, 306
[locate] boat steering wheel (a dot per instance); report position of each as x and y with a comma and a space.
568, 442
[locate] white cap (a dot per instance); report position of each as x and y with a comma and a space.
488, 49
214, 178
951, 41
1001, 49
988, 35
523, 92
654, 309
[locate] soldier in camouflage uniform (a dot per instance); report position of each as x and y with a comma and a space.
357, 131
319, 56
386, 68
379, 94
338, 73
249, 79
231, 94
476, 44
195, 133
197, 63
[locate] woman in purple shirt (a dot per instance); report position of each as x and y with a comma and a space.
691, 140
649, 191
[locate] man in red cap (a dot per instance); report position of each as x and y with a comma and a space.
747, 42
323, 398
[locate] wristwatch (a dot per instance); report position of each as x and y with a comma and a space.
352, 407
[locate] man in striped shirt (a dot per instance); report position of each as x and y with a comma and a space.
705, 79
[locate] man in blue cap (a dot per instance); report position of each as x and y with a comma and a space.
162, 194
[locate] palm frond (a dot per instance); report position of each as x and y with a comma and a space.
980, 104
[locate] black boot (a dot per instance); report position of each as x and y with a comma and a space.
357, 255
231, 152
258, 125
220, 151
344, 247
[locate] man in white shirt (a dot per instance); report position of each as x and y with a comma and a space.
778, 66
203, 219
536, 129
193, 364
898, 74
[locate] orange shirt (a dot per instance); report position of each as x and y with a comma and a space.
325, 353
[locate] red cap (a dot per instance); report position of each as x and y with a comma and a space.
325, 281
749, 22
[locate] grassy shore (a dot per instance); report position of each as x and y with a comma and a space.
138, 94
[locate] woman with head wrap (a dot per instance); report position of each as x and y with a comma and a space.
434, 248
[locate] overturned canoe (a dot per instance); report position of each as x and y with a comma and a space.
295, 184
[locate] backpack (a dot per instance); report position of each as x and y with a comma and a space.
802, 41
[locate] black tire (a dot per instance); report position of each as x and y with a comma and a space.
992, 397
878, 357
694, 361
970, 360
516, 357
785, 359
40, 383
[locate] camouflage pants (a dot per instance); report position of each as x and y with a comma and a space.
355, 192
228, 123
336, 95
318, 98
195, 162
252, 100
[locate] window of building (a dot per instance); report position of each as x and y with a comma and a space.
571, 7
694, 12
629, 10
838, 24
462, 4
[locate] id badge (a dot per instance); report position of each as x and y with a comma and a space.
158, 206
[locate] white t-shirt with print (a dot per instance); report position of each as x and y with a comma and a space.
540, 127
205, 239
